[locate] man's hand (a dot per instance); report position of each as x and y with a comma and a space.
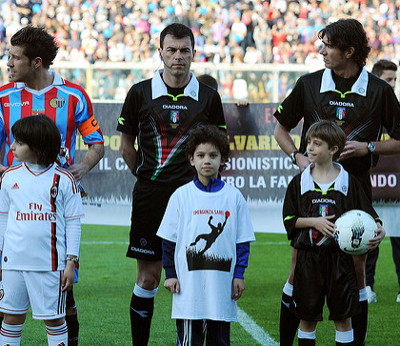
78, 170
172, 285
2, 169
302, 161
238, 287
69, 276
354, 149
380, 234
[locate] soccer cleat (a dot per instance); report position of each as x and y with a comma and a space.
371, 295
398, 298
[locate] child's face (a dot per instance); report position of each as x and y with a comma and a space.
318, 151
207, 161
22, 153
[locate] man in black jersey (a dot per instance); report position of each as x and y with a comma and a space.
159, 113
386, 70
361, 104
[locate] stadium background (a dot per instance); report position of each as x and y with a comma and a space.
255, 49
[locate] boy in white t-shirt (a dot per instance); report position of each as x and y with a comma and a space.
40, 210
206, 233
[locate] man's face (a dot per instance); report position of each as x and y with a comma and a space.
20, 68
177, 55
334, 58
389, 76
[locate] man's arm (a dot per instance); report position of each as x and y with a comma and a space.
91, 159
286, 143
356, 149
128, 151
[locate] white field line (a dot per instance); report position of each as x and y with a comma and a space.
112, 242
255, 331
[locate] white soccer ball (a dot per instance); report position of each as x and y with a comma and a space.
354, 229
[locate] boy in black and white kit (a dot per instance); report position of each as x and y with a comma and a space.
207, 233
40, 211
313, 201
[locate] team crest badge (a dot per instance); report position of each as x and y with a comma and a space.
341, 113
53, 191
57, 102
174, 118
323, 209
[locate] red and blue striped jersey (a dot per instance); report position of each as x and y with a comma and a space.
67, 104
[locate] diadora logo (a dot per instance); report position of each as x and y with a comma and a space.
16, 104
175, 107
341, 104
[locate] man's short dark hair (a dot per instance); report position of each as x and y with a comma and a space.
346, 33
36, 42
176, 30
383, 65
208, 134
208, 80
41, 135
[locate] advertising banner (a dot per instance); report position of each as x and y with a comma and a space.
257, 166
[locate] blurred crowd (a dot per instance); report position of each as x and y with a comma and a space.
247, 31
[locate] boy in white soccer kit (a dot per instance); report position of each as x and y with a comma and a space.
206, 233
40, 210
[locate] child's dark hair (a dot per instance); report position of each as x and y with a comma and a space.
208, 134
42, 136
329, 132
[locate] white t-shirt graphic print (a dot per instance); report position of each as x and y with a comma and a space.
206, 283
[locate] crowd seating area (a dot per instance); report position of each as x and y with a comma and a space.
226, 32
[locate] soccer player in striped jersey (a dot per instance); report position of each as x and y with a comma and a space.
40, 210
35, 89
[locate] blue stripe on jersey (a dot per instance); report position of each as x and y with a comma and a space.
38, 104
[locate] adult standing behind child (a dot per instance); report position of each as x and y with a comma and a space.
207, 233
35, 89
386, 70
314, 199
40, 211
159, 113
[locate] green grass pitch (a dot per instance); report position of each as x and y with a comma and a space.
107, 277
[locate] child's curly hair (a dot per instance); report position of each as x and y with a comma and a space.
208, 134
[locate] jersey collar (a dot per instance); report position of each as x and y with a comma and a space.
57, 80
359, 87
158, 87
341, 182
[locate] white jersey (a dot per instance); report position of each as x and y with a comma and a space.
37, 206
206, 226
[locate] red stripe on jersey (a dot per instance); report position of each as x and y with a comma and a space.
88, 101
26, 100
49, 111
53, 197
71, 125
6, 115
75, 188
54, 253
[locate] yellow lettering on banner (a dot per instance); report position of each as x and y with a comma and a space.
261, 142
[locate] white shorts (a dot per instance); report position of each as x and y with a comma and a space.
40, 290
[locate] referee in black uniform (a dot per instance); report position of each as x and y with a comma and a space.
159, 113
361, 104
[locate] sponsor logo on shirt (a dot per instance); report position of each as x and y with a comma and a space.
16, 104
35, 216
323, 200
341, 104
183, 107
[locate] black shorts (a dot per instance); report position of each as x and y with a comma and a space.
325, 271
149, 201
